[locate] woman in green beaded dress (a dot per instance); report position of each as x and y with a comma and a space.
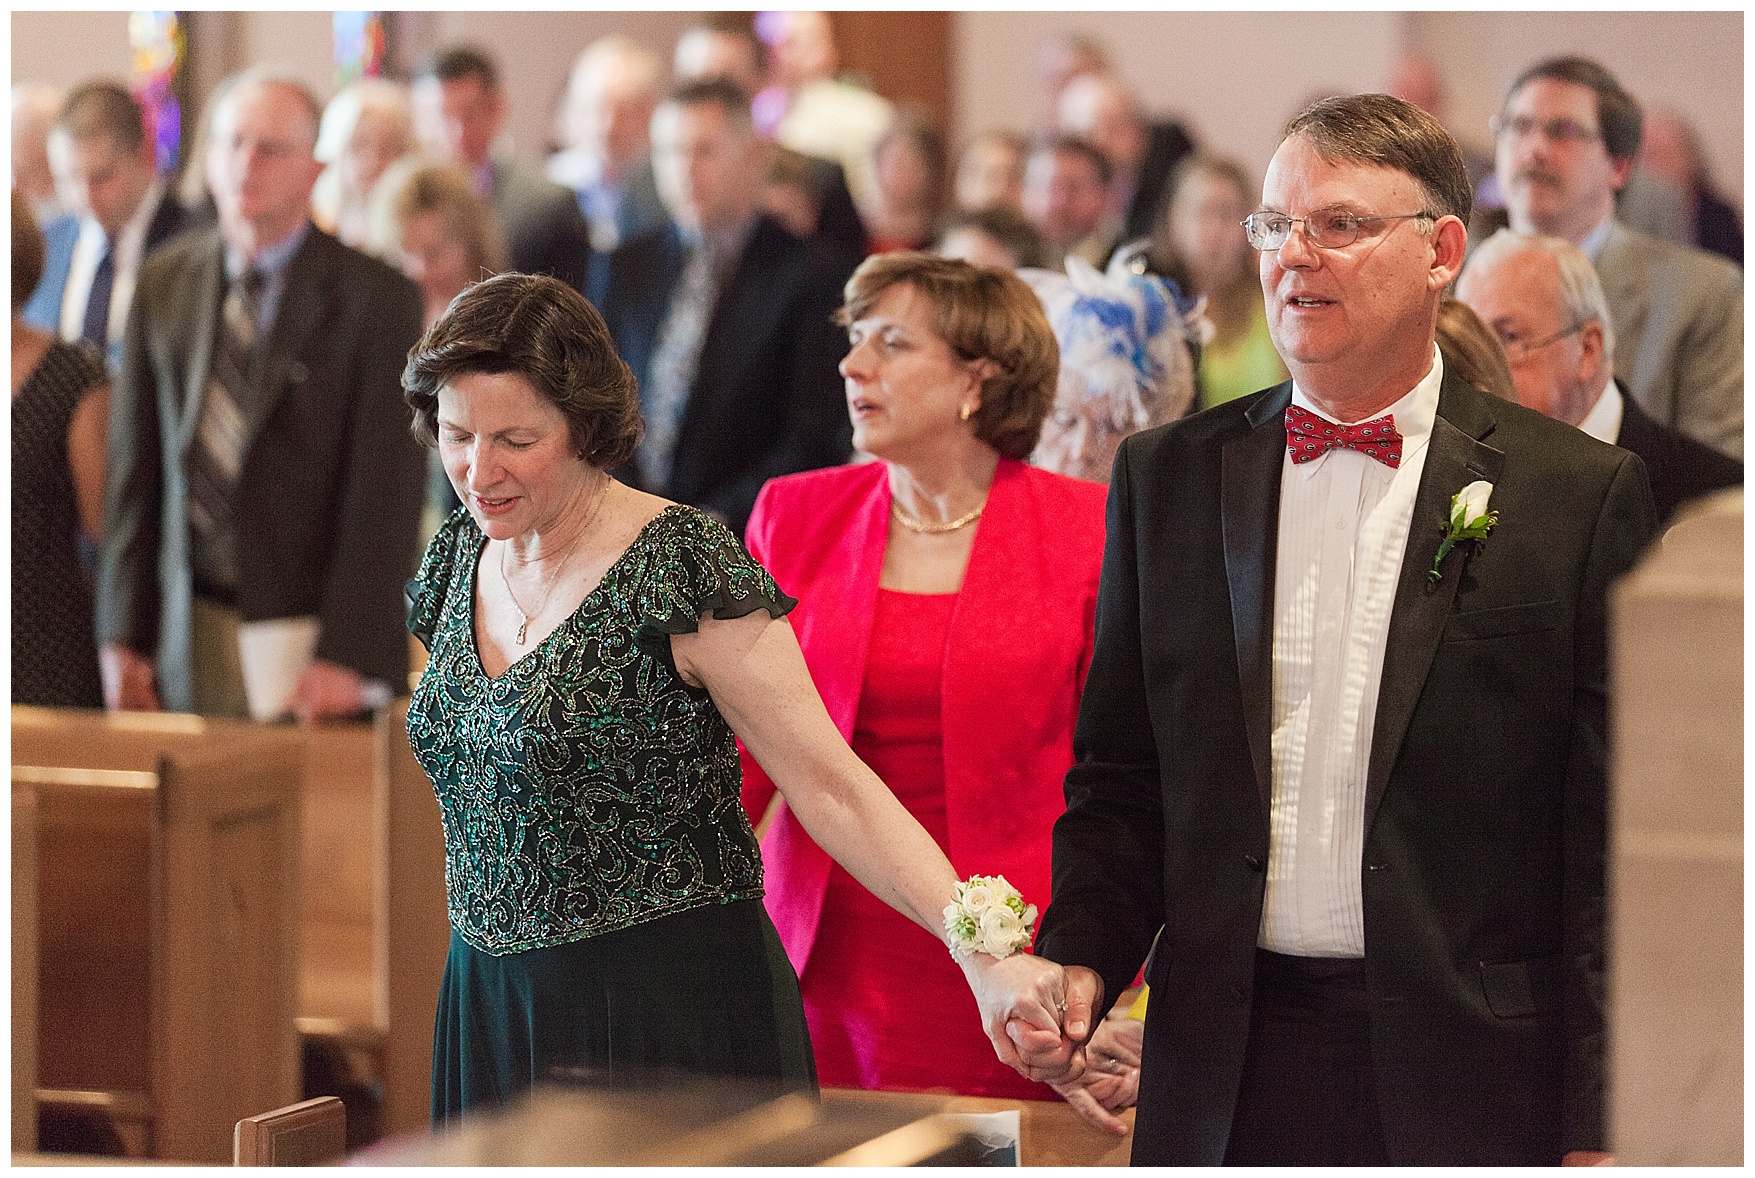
593, 650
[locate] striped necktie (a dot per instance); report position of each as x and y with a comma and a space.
218, 452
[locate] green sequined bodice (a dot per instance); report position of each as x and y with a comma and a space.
588, 787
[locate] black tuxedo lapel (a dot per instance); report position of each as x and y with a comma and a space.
276, 367
1249, 512
200, 322
1455, 457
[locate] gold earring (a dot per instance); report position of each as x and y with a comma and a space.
968, 412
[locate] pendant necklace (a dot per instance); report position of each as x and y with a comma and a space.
524, 625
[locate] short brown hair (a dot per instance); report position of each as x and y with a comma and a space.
1390, 133
28, 251
1619, 118
541, 329
103, 109
982, 313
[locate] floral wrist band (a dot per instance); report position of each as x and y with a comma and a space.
988, 916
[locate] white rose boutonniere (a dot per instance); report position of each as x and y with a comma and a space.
1469, 520
988, 916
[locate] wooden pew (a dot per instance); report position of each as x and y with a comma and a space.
167, 876
24, 971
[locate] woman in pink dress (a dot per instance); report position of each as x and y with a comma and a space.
946, 598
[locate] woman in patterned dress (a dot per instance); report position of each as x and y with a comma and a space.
593, 650
60, 410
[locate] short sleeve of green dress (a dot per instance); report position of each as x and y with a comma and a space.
602, 880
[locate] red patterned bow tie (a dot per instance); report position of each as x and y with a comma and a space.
1309, 437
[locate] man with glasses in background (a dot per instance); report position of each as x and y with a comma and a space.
1566, 142
1542, 298
1341, 746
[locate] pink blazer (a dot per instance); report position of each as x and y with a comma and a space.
1015, 663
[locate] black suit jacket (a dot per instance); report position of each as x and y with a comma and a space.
1482, 871
328, 499
1679, 467
545, 231
767, 398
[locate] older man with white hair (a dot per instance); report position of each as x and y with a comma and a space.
1541, 295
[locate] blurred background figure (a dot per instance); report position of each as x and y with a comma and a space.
1200, 244
1472, 350
1059, 60
606, 125
1670, 149
810, 107
118, 210
909, 165
34, 107
459, 110
366, 129
1066, 196
60, 411
443, 237
991, 237
721, 47
1417, 79
440, 233
1543, 299
1141, 154
990, 172
1125, 362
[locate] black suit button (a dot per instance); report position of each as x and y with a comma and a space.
1254, 862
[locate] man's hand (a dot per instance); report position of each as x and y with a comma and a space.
326, 692
127, 679
1110, 1082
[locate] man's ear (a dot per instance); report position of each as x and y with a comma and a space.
1450, 242
1623, 171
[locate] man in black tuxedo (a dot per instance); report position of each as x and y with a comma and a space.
1354, 774
724, 318
263, 490
1542, 296
107, 163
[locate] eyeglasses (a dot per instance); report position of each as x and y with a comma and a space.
1553, 130
1328, 228
1517, 350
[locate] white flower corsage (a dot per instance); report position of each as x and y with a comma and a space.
1469, 520
988, 916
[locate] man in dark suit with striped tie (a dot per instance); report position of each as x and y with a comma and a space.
105, 161
263, 489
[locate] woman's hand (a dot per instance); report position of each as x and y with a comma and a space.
1036, 1014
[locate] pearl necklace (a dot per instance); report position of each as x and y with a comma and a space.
548, 591
931, 529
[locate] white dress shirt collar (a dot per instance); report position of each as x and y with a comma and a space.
1593, 242
1603, 422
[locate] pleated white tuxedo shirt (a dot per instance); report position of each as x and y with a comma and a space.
1343, 528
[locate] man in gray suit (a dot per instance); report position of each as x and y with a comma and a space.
263, 489
1567, 138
